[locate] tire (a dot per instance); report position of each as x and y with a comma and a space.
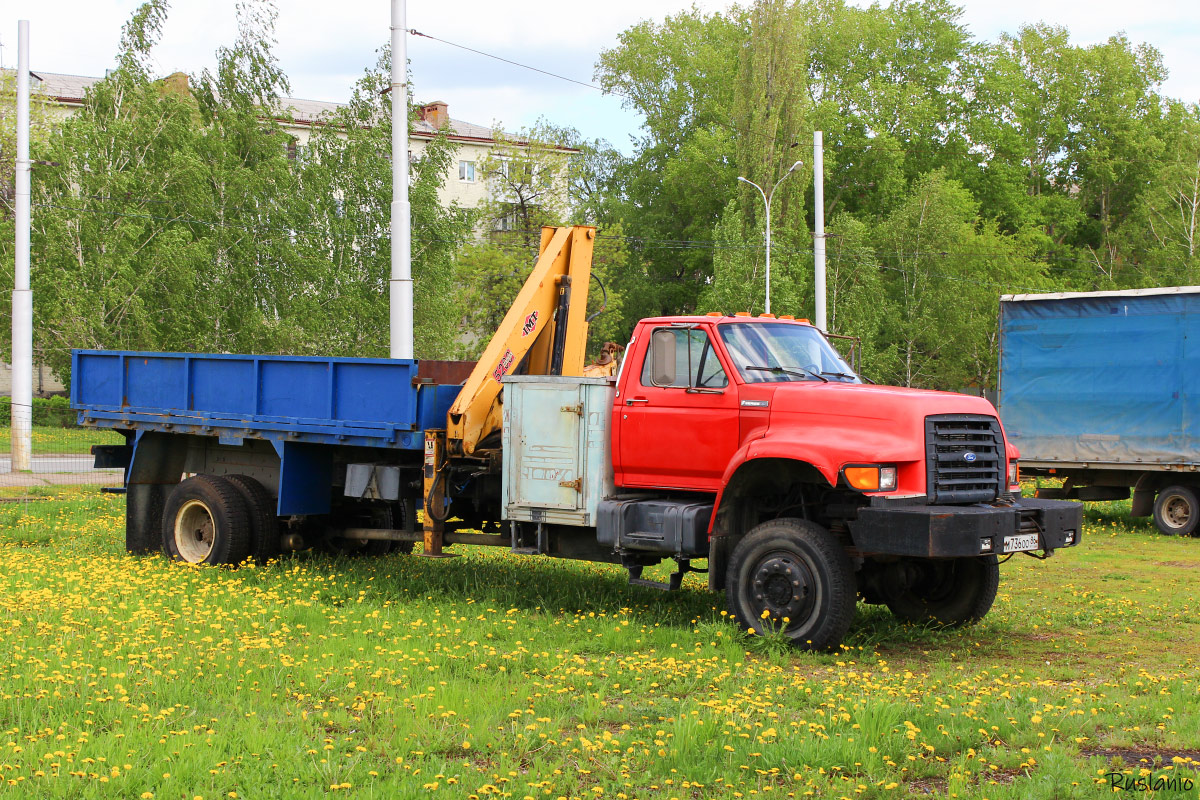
795, 569
1176, 511
264, 524
949, 592
205, 521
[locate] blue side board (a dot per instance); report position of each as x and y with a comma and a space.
353, 401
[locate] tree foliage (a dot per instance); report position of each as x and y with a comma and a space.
955, 170
538, 176
172, 217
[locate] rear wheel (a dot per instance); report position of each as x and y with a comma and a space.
264, 524
1176, 512
793, 576
949, 592
205, 521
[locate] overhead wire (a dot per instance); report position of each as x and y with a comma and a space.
878, 145
979, 255
1050, 263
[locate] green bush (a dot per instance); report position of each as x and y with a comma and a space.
53, 412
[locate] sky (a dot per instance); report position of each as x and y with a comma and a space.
325, 46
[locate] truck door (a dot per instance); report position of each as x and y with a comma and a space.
679, 417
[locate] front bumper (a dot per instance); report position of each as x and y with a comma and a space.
958, 531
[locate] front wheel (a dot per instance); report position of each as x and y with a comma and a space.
949, 592
1176, 512
793, 576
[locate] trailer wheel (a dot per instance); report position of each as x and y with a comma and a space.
793, 570
1176, 512
205, 521
949, 592
264, 524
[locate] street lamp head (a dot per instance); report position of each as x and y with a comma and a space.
743, 180
793, 167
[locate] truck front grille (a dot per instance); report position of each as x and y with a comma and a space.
965, 458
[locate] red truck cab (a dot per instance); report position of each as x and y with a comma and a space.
711, 393
807, 480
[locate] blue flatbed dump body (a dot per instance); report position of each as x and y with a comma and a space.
1103, 379
372, 402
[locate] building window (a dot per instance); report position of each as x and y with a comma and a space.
466, 171
510, 221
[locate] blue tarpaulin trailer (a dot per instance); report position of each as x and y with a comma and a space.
1102, 389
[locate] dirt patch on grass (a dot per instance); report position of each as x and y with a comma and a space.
931, 786
1003, 776
1182, 564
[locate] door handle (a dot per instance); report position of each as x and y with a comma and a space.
633, 400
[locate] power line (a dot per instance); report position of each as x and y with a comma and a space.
601, 89
978, 256
877, 145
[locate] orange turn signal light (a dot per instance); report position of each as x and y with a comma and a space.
864, 479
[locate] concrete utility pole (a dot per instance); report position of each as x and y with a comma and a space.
22, 299
400, 288
767, 197
819, 228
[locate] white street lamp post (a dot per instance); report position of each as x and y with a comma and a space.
767, 197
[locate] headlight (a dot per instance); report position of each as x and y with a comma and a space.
887, 479
871, 479
1014, 473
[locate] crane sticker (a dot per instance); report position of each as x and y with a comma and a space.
530, 323
504, 365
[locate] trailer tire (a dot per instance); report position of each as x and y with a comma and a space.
206, 521
264, 524
795, 569
950, 593
1176, 511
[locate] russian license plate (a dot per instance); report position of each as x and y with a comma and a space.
1025, 541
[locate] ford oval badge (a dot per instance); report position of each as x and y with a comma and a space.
969, 457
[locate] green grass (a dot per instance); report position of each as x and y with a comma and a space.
56, 440
501, 675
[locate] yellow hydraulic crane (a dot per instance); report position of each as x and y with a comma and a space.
543, 333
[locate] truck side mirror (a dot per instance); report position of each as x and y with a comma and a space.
662, 357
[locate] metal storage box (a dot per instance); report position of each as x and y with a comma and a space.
654, 525
557, 463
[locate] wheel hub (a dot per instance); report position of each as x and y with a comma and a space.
1177, 512
194, 532
783, 587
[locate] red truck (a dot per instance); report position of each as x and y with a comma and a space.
816, 488
747, 442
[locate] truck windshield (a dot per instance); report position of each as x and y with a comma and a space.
777, 351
